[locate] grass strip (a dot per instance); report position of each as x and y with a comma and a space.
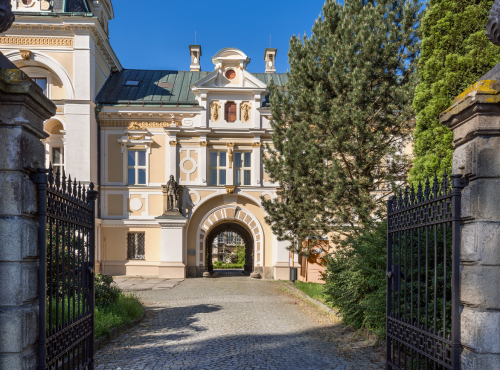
126, 309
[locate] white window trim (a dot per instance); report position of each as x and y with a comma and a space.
137, 167
218, 167
243, 168
135, 140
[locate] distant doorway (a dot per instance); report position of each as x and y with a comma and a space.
225, 250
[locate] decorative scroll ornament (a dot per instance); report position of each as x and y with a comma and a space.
7, 18
493, 25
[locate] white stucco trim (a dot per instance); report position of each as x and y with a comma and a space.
52, 64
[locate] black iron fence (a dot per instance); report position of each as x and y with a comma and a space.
423, 257
67, 255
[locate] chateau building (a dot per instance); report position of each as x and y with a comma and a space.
130, 130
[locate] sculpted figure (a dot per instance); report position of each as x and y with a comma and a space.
246, 108
6, 15
215, 111
172, 195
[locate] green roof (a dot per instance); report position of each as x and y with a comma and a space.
143, 87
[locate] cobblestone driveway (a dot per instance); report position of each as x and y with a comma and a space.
230, 323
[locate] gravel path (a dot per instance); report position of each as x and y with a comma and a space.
231, 323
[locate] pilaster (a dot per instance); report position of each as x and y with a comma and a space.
173, 246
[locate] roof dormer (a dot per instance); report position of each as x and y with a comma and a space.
230, 57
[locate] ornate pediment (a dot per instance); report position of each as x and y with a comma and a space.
136, 138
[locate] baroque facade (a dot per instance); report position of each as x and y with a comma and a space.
129, 130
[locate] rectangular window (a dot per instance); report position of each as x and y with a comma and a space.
218, 167
42, 82
136, 167
136, 246
242, 168
58, 159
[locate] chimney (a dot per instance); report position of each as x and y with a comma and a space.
195, 51
270, 58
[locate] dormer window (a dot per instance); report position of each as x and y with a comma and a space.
132, 83
231, 74
27, 2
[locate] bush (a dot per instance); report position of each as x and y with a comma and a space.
356, 281
105, 293
222, 265
124, 310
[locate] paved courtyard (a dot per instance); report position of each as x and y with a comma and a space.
232, 323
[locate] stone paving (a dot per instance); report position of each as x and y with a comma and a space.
231, 323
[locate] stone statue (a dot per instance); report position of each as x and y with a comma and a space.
6, 15
493, 25
172, 190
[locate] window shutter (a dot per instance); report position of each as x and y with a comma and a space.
230, 112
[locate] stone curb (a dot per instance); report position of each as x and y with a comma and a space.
115, 332
303, 295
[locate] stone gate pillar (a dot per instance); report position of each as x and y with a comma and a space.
23, 109
475, 121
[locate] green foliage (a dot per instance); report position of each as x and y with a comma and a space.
62, 311
356, 281
313, 290
105, 292
455, 53
124, 310
240, 252
222, 265
345, 108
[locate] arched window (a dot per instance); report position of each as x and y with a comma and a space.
42, 78
230, 111
54, 145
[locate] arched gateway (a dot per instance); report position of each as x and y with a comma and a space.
236, 218
241, 230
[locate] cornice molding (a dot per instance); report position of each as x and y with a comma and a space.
37, 41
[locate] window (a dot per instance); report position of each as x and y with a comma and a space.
132, 83
242, 168
230, 111
135, 246
136, 167
42, 82
58, 159
218, 167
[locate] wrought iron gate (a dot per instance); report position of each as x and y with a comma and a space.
423, 256
67, 255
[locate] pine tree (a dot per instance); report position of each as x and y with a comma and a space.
340, 121
455, 53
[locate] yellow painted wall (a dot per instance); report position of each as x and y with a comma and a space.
157, 160
58, 91
115, 204
115, 243
66, 61
143, 208
115, 159
155, 205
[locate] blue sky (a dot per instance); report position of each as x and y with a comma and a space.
156, 34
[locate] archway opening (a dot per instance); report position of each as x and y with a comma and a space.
226, 242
